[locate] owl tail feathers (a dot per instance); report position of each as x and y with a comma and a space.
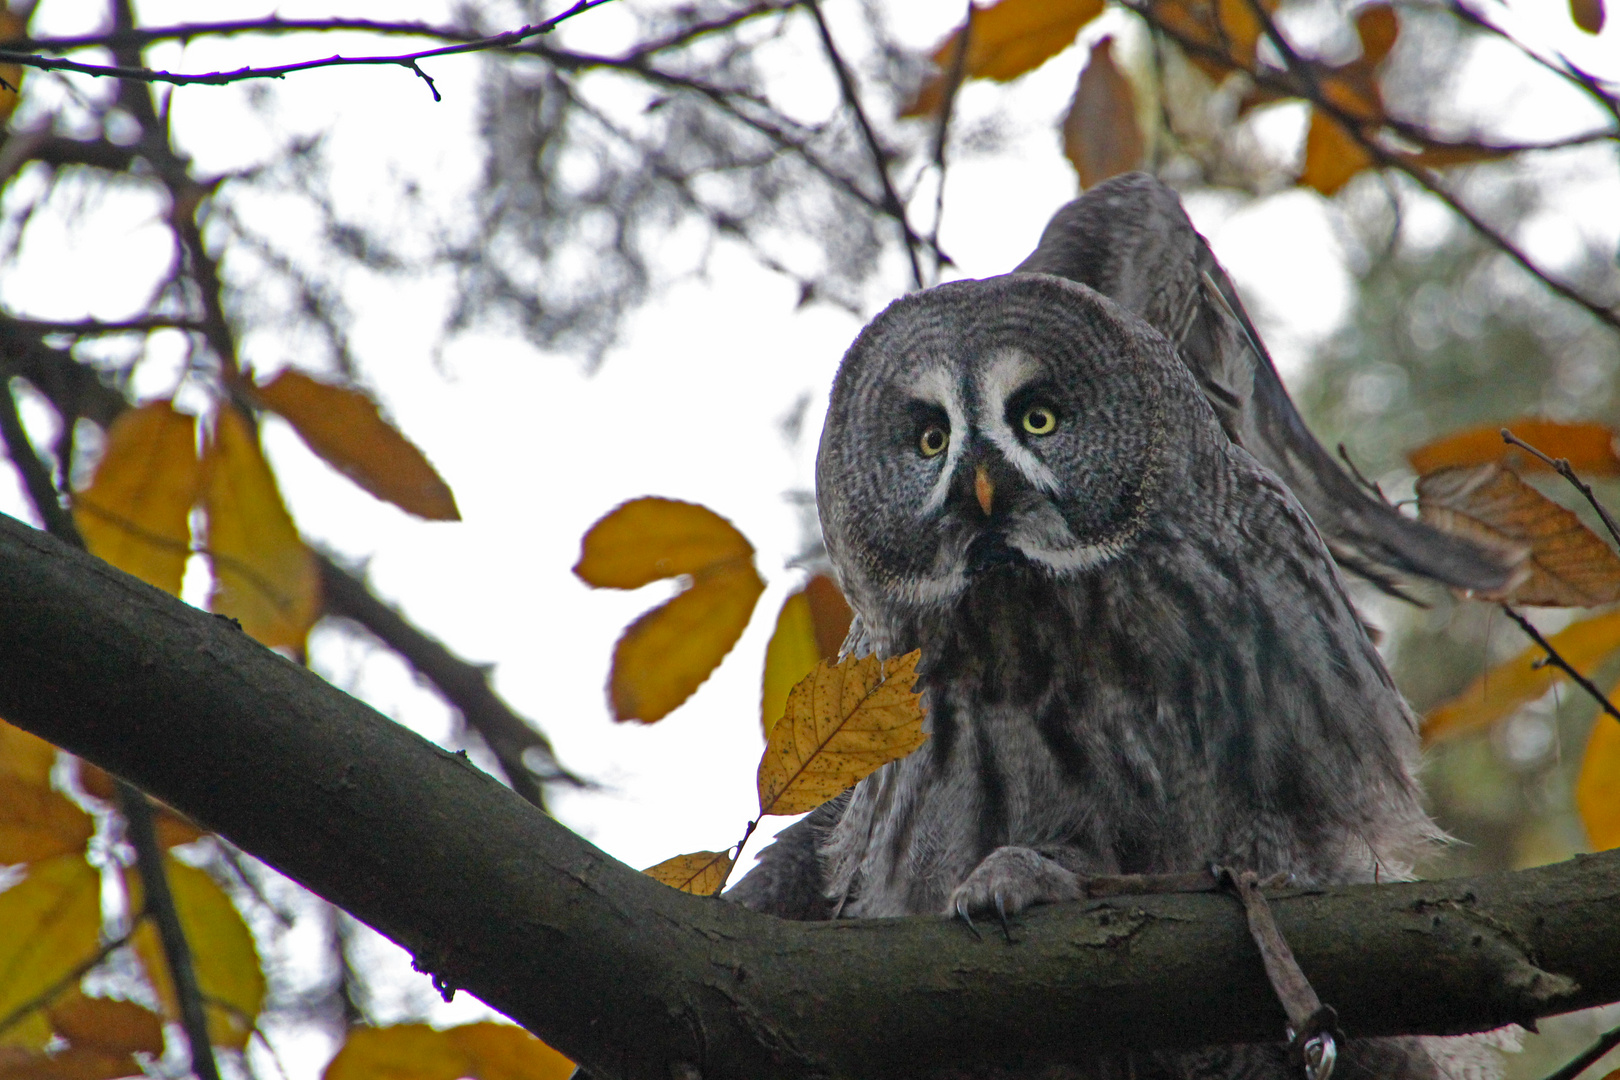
1129, 239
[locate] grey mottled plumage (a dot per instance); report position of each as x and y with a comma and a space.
1138, 655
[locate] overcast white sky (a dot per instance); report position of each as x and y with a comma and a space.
689, 406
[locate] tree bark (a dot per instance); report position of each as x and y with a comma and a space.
634, 979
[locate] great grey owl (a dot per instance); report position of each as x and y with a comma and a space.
1138, 654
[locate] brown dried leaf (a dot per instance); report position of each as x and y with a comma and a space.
344, 426
117, 1027
1565, 563
1100, 135
1377, 27
1591, 449
225, 958
811, 627
136, 513
264, 576
1597, 791
701, 873
843, 722
1586, 645
1008, 39
1587, 14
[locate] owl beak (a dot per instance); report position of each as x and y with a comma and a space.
983, 489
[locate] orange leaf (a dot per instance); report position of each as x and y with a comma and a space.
264, 576
1597, 791
74, 1063
1567, 565
664, 656
1587, 14
35, 822
1007, 39
811, 627
1377, 27
52, 919
700, 873
1443, 155
136, 513
843, 722
1332, 155
119, 1027
1227, 27
483, 1051
648, 539
12, 26
1512, 683
1591, 449
344, 427
223, 953
1100, 134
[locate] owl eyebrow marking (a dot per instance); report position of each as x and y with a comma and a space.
1009, 372
935, 387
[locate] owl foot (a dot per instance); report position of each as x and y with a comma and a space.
1009, 880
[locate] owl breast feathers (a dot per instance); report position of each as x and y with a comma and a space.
1137, 652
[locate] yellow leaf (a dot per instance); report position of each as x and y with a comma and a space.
222, 952
700, 873
1589, 448
35, 822
811, 627
1332, 156
1006, 40
1498, 692
1597, 791
484, 1051
646, 540
1588, 15
136, 512
25, 756
264, 576
52, 919
1100, 134
668, 653
12, 26
1565, 563
344, 427
1377, 27
843, 722
119, 1027
1227, 28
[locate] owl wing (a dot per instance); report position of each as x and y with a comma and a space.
1130, 239
787, 881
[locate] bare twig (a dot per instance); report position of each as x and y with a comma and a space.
1588, 1057
1560, 663
221, 78
880, 157
1562, 467
97, 328
942, 127
1562, 67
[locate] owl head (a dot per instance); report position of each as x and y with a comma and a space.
1022, 421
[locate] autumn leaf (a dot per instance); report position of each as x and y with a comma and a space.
1503, 689
103, 1036
1228, 28
52, 919
222, 949
1006, 40
483, 1051
1376, 29
1565, 563
1587, 14
665, 655
12, 25
264, 576
1100, 134
136, 513
1332, 155
811, 627
1597, 789
345, 428
843, 722
1591, 449
701, 873
35, 822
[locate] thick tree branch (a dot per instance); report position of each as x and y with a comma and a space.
634, 979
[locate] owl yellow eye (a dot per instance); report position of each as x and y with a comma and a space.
933, 441
1040, 420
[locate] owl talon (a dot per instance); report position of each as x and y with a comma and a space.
1001, 913
962, 913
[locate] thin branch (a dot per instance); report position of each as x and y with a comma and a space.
1560, 663
35, 475
880, 158
942, 128
97, 328
1588, 1057
221, 78
1562, 467
1563, 68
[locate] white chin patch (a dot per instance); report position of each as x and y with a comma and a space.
1043, 537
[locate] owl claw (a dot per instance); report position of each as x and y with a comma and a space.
1001, 913
962, 913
